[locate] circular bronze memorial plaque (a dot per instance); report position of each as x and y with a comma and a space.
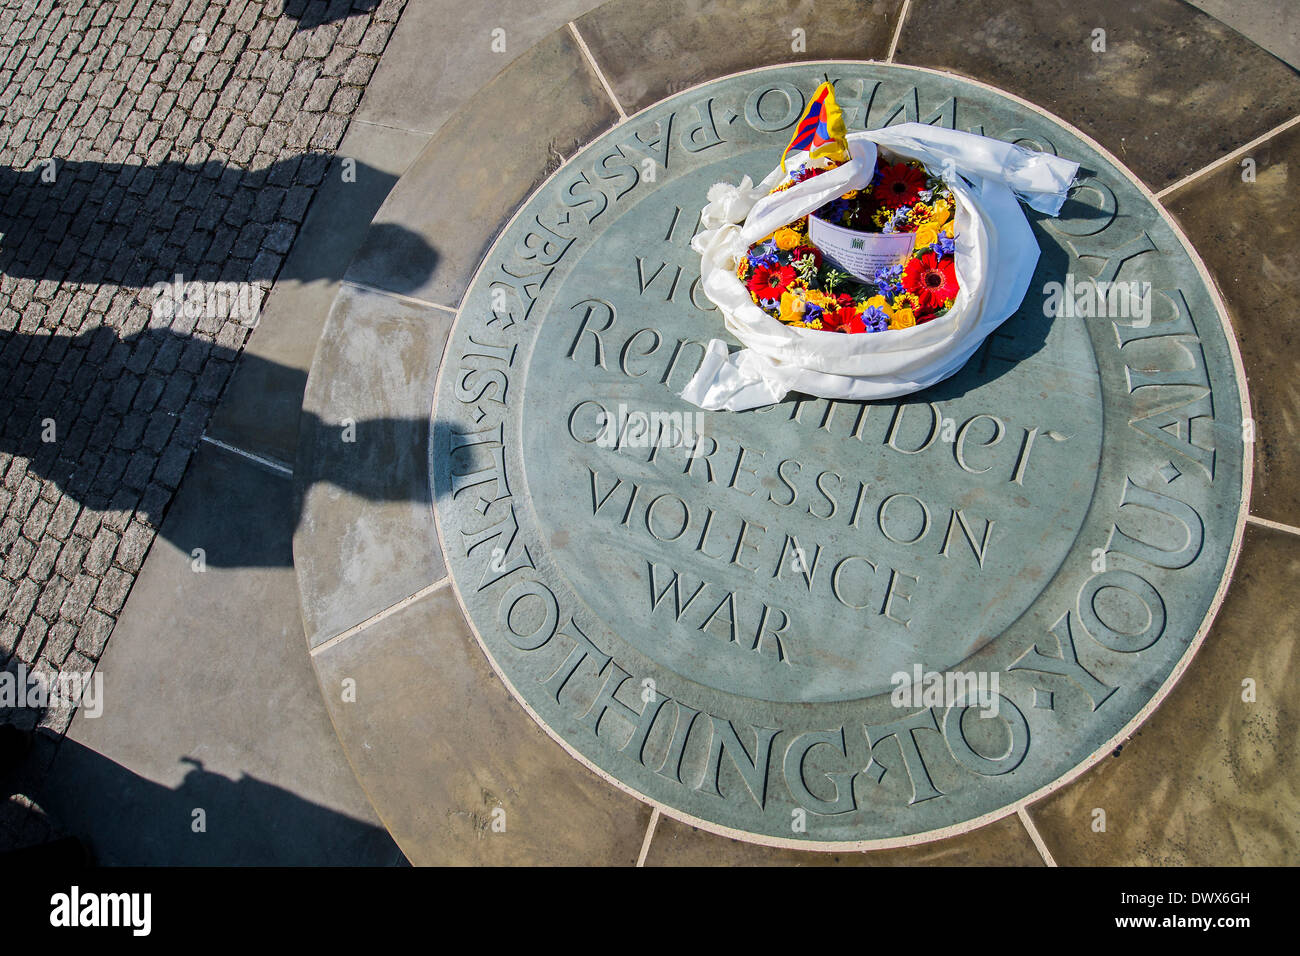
834, 623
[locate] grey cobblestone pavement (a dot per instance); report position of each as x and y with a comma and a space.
139, 140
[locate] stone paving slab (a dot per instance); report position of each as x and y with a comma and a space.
1174, 91
442, 747
649, 51
551, 102
259, 411
366, 538
1251, 243
209, 703
1210, 779
1273, 24
444, 51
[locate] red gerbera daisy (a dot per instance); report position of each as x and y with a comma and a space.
845, 319
899, 185
768, 282
932, 279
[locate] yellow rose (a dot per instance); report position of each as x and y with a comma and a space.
940, 213
926, 235
786, 238
878, 301
902, 319
948, 230
851, 194
792, 307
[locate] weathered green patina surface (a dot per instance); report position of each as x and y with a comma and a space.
713, 608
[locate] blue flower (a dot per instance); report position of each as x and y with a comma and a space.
811, 312
898, 217
889, 279
875, 319
945, 246
763, 254
836, 211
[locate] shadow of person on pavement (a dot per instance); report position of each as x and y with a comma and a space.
78, 442
208, 819
314, 13
113, 413
93, 223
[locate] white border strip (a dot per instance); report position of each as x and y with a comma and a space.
1034, 835
1239, 151
649, 835
1275, 525
376, 618
1128, 729
276, 466
388, 293
600, 74
898, 31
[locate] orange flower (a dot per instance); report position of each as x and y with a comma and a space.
792, 308
786, 239
926, 235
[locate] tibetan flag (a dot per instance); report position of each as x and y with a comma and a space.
821, 130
